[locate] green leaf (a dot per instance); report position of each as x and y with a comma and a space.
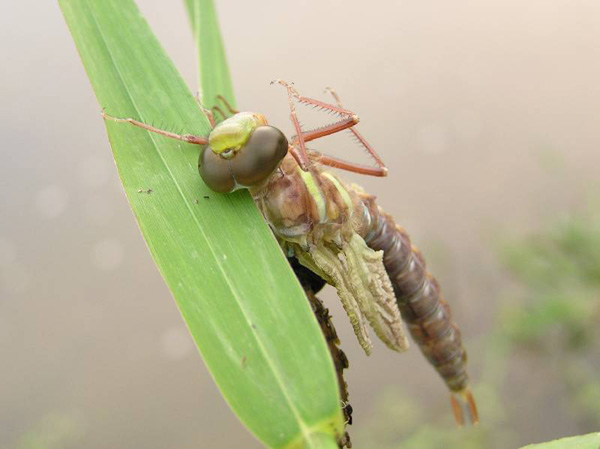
232, 284
213, 75
589, 441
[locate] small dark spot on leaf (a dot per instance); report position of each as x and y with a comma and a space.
145, 191
206, 197
196, 201
244, 360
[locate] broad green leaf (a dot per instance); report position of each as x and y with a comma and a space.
239, 298
589, 441
213, 75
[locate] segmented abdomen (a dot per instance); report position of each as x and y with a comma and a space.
418, 294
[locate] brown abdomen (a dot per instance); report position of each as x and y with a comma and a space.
419, 297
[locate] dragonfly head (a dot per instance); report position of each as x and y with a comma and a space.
242, 151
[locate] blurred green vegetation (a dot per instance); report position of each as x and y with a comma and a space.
552, 316
55, 430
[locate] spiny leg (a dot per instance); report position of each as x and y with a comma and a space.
231, 110
353, 167
298, 144
292, 92
207, 112
216, 108
351, 119
189, 138
381, 169
299, 153
210, 116
354, 131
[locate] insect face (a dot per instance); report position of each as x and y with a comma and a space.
242, 151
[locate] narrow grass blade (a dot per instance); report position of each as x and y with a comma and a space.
213, 70
239, 298
589, 441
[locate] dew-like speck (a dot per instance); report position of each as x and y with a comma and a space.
94, 172
176, 343
107, 254
51, 201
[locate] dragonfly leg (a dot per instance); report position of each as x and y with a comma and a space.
231, 110
189, 138
298, 152
210, 116
348, 121
216, 108
382, 170
351, 166
207, 112
298, 145
334, 94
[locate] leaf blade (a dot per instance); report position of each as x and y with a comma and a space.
214, 78
589, 441
254, 328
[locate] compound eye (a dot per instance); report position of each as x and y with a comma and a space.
215, 171
260, 156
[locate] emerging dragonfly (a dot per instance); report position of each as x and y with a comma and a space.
336, 230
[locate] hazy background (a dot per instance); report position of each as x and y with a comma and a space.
486, 113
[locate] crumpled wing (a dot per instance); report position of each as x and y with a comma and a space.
358, 274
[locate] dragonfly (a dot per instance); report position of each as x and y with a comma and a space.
335, 229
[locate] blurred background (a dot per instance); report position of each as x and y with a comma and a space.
487, 115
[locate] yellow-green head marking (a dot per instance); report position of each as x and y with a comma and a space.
231, 134
242, 151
